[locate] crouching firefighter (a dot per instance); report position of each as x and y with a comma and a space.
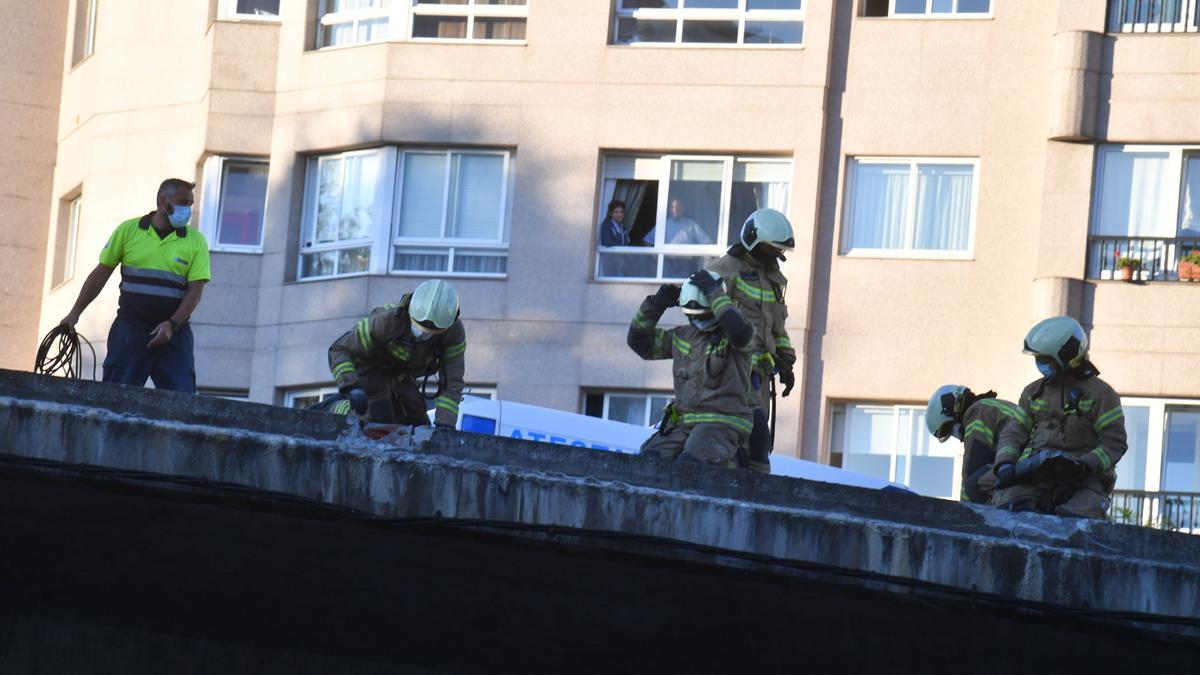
377, 364
1063, 463
977, 421
751, 272
710, 418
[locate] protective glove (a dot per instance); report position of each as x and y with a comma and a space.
359, 401
703, 280
788, 379
666, 296
1006, 474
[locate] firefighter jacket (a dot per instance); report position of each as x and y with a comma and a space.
983, 423
711, 369
1075, 411
383, 343
757, 292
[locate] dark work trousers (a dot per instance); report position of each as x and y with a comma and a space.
130, 361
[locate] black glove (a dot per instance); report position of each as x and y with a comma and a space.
788, 378
358, 401
666, 296
1006, 474
703, 280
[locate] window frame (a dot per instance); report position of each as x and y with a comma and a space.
666, 161
1115, 24
388, 197
1156, 435
451, 245
1177, 155
321, 392
956, 454
927, 15
227, 11
89, 46
647, 395
914, 162
682, 14
74, 207
400, 15
212, 195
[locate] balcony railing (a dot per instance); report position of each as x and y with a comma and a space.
1159, 256
1175, 511
1153, 16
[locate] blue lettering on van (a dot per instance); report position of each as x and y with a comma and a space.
535, 436
558, 439
579, 444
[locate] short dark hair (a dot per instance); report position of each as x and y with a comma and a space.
170, 185
615, 203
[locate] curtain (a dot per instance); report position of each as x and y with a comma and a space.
421, 191
943, 207
633, 193
878, 206
1136, 199
476, 195
1189, 220
358, 196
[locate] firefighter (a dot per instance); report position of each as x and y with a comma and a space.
977, 421
710, 417
750, 270
1064, 461
377, 364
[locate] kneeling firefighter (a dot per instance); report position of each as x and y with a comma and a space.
750, 270
977, 421
711, 417
1064, 461
378, 363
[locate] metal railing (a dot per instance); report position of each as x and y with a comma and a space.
1159, 256
1153, 16
1175, 511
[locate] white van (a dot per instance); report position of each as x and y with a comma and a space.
532, 423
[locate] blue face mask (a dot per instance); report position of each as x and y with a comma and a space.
957, 431
1045, 368
703, 325
421, 335
180, 216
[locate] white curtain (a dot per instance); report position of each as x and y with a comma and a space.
358, 196
1136, 197
476, 196
878, 206
421, 194
943, 206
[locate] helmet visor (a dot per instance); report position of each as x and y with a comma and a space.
945, 431
427, 327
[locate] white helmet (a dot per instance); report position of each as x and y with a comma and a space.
692, 300
1060, 339
768, 226
434, 305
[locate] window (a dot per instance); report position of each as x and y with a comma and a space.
307, 398
250, 9
234, 203
1145, 205
347, 22
892, 443
911, 207
453, 214
680, 210
928, 9
1153, 16
85, 31
407, 211
64, 241
641, 409
1158, 479
708, 22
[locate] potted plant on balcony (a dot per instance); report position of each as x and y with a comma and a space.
1189, 267
1127, 267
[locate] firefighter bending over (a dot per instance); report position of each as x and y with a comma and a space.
756, 285
378, 365
977, 421
1064, 461
711, 416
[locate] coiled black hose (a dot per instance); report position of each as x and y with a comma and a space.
59, 353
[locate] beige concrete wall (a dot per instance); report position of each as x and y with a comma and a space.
32, 42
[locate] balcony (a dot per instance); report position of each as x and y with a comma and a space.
1175, 511
1153, 16
1159, 256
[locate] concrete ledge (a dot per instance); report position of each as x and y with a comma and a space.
1102, 566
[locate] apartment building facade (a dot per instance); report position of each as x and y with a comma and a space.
955, 170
